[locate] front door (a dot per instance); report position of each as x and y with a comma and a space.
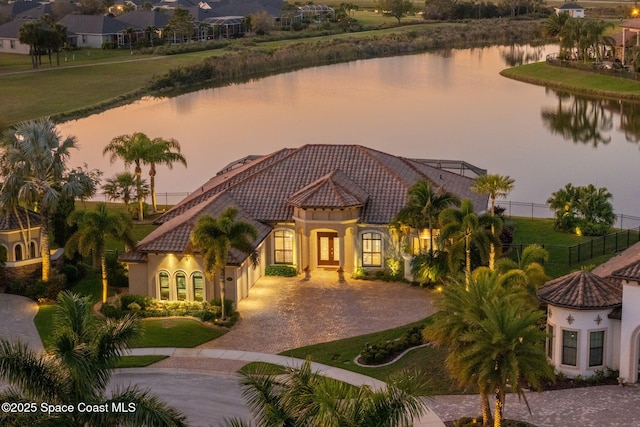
328, 249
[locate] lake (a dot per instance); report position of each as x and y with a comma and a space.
446, 105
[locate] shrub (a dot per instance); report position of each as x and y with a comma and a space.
281, 270
383, 352
143, 301
116, 273
71, 272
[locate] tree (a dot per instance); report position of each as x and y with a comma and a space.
262, 22
495, 186
132, 149
162, 152
423, 207
31, 34
94, 227
594, 205
77, 370
33, 164
54, 36
180, 24
215, 237
89, 180
302, 397
396, 8
564, 203
555, 26
152, 30
460, 228
121, 187
587, 208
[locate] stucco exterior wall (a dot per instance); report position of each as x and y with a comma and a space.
13, 46
630, 332
583, 322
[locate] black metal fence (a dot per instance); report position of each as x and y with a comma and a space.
593, 68
585, 251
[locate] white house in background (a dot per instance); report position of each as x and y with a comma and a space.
573, 9
593, 319
10, 37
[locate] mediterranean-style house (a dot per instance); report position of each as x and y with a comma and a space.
20, 237
314, 207
592, 318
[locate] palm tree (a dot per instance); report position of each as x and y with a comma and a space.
132, 149
505, 350
121, 187
215, 237
495, 186
424, 205
595, 206
556, 26
33, 164
31, 34
302, 397
530, 264
94, 227
460, 228
77, 370
564, 203
161, 152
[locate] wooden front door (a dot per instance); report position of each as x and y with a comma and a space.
328, 249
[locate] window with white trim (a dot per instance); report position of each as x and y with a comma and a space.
570, 348
372, 249
596, 348
283, 247
163, 282
181, 286
197, 281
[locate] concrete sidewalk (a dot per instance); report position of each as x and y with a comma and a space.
430, 419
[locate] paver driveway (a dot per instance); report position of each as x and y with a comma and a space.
283, 313
17, 320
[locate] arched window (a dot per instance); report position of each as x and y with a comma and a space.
163, 280
32, 250
283, 247
17, 252
181, 286
371, 249
197, 281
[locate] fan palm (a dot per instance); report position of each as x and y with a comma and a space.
215, 237
424, 205
161, 152
121, 187
495, 186
460, 228
94, 227
33, 164
77, 370
302, 397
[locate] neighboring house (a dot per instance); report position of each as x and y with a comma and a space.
630, 37
315, 207
573, 9
145, 19
20, 236
593, 321
36, 12
95, 30
10, 37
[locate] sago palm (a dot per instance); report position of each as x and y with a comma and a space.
215, 237
94, 227
77, 370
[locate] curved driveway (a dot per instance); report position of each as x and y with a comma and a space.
17, 320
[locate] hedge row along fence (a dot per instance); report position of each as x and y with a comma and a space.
247, 62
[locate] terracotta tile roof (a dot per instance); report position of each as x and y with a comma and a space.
631, 23
334, 190
629, 272
9, 221
264, 189
582, 290
623, 259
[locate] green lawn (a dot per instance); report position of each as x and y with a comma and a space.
44, 325
138, 361
175, 332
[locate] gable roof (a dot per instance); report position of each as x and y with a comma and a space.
629, 272
11, 30
581, 290
570, 6
144, 18
266, 189
92, 24
631, 23
36, 12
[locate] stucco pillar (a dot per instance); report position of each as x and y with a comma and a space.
624, 38
305, 258
349, 250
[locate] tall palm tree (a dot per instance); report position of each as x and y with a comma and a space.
302, 397
76, 370
132, 149
495, 186
162, 152
33, 163
460, 228
505, 350
424, 205
94, 227
556, 26
215, 237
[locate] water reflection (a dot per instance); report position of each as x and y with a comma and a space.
580, 119
519, 55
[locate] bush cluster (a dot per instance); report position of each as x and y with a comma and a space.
383, 352
39, 290
145, 306
281, 270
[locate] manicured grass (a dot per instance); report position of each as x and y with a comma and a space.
138, 361
267, 368
175, 332
540, 230
341, 354
575, 80
44, 325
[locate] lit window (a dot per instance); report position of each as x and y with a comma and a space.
283, 247
198, 287
164, 286
371, 250
570, 348
596, 348
181, 286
